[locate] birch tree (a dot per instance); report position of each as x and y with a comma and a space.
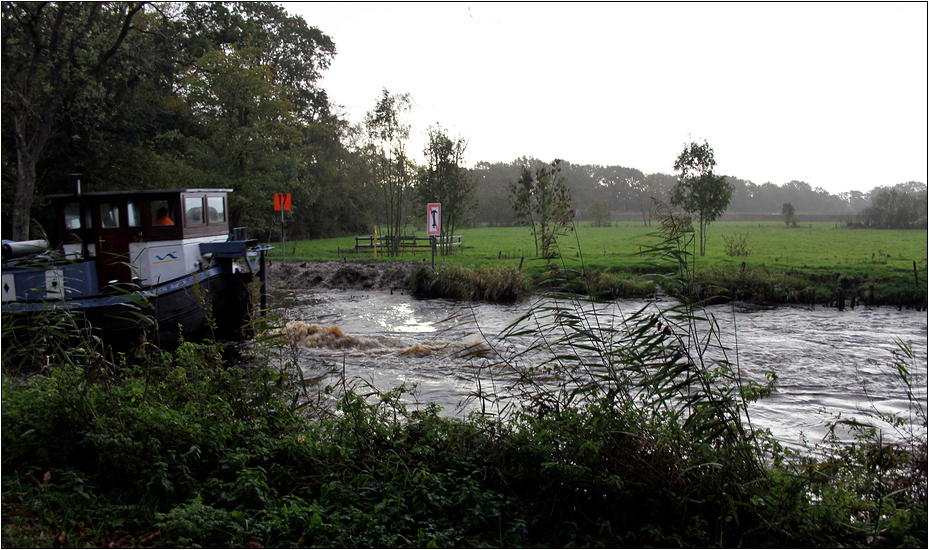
392, 168
542, 200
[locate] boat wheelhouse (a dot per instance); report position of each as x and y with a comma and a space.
170, 250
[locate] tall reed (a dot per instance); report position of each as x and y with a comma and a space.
658, 381
492, 284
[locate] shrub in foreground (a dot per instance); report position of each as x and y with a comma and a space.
224, 457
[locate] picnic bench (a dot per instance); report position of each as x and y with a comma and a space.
406, 241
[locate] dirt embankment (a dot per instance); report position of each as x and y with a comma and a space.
339, 275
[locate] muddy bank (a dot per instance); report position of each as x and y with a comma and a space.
755, 288
343, 275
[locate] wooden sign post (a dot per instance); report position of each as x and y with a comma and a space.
282, 202
433, 225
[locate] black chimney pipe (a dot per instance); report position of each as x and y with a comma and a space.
76, 182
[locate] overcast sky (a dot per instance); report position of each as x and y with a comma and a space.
831, 94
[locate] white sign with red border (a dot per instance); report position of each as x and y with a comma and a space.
433, 219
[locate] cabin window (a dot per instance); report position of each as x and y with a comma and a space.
73, 215
193, 210
163, 213
109, 215
133, 214
217, 209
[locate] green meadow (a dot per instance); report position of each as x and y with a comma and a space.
815, 262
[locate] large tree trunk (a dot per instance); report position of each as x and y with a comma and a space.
27, 156
22, 199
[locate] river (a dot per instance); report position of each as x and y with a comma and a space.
828, 362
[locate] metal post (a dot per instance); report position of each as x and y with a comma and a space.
283, 248
263, 275
432, 239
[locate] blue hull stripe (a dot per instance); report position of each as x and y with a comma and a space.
102, 301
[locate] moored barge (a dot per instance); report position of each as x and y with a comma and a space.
155, 261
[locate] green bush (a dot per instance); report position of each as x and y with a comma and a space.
491, 284
737, 245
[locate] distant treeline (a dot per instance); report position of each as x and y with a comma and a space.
628, 193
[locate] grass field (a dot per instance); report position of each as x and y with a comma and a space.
824, 255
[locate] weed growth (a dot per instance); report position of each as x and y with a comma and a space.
736, 245
493, 284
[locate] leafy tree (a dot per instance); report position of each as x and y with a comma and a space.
650, 191
542, 200
644, 199
249, 139
699, 191
853, 201
612, 183
109, 131
54, 55
491, 203
446, 181
264, 125
341, 206
599, 213
788, 215
493, 191
624, 187
520, 197
902, 206
201, 94
392, 170
298, 52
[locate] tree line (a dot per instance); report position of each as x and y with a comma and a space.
136, 95
602, 191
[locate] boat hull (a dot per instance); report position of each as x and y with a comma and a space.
163, 315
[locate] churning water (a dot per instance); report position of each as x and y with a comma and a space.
828, 362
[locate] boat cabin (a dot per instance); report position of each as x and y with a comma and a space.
123, 258
146, 237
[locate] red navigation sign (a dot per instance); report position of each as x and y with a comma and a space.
282, 201
434, 221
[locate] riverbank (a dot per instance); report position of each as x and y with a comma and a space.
341, 275
757, 284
